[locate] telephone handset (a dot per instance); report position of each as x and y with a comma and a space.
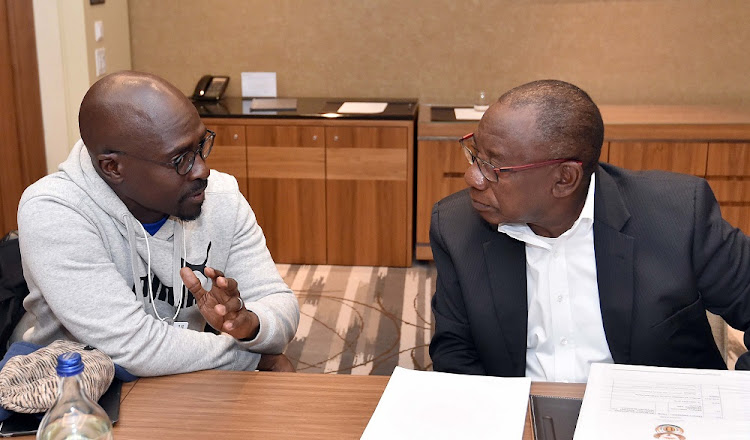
210, 88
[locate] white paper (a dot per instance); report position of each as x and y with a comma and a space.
467, 114
362, 107
633, 402
432, 405
259, 84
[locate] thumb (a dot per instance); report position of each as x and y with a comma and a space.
192, 283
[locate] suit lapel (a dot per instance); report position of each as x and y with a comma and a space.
614, 265
506, 265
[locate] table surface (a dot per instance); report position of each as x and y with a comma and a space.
241, 405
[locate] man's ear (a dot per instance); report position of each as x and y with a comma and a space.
111, 168
569, 178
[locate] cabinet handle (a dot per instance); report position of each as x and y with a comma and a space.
236, 136
315, 137
336, 138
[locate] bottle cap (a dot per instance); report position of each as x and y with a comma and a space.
69, 364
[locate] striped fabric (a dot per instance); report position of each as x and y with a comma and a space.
361, 319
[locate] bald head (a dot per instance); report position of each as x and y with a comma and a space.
567, 119
128, 111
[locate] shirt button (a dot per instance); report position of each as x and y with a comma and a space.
563, 341
559, 298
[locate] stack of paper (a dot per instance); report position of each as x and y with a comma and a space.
431, 405
467, 114
631, 402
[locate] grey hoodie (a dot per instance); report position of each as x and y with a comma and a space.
82, 250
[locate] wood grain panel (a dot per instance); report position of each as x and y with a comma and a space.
366, 137
681, 157
231, 160
233, 135
366, 164
27, 94
229, 155
728, 159
286, 163
11, 175
285, 136
440, 172
731, 190
292, 213
368, 222
738, 216
604, 155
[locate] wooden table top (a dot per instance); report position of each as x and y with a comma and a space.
242, 405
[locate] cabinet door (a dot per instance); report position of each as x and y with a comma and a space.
367, 172
680, 157
728, 173
440, 172
286, 170
229, 155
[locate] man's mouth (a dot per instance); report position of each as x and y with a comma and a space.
479, 206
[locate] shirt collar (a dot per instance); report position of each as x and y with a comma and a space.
585, 220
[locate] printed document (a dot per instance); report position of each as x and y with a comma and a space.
432, 405
634, 402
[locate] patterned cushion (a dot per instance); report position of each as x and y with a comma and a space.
29, 383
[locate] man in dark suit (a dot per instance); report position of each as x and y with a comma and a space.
550, 261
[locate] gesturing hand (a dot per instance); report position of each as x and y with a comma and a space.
222, 307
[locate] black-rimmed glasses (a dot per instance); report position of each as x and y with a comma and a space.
490, 171
184, 162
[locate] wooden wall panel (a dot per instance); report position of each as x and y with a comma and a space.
366, 137
292, 213
229, 155
22, 148
359, 212
728, 159
285, 136
366, 164
680, 157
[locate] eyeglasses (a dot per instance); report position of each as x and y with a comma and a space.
490, 171
184, 162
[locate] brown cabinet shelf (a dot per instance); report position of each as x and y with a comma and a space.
710, 142
324, 191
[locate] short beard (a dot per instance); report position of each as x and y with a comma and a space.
189, 217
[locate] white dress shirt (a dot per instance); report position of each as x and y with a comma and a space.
565, 333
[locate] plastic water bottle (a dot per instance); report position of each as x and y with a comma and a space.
73, 416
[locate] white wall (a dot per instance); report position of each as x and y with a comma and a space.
65, 51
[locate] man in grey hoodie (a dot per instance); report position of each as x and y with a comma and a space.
132, 216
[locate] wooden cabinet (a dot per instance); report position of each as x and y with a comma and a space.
708, 142
335, 192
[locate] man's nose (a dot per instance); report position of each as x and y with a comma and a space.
474, 178
200, 168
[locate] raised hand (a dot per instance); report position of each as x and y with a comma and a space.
222, 306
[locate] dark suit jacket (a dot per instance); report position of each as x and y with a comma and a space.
663, 254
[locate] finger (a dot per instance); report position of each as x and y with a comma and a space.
228, 284
233, 305
192, 283
237, 321
212, 273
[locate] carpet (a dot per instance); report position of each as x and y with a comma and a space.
361, 319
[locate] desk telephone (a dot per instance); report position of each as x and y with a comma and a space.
210, 88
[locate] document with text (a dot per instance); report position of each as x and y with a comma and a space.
635, 402
432, 405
